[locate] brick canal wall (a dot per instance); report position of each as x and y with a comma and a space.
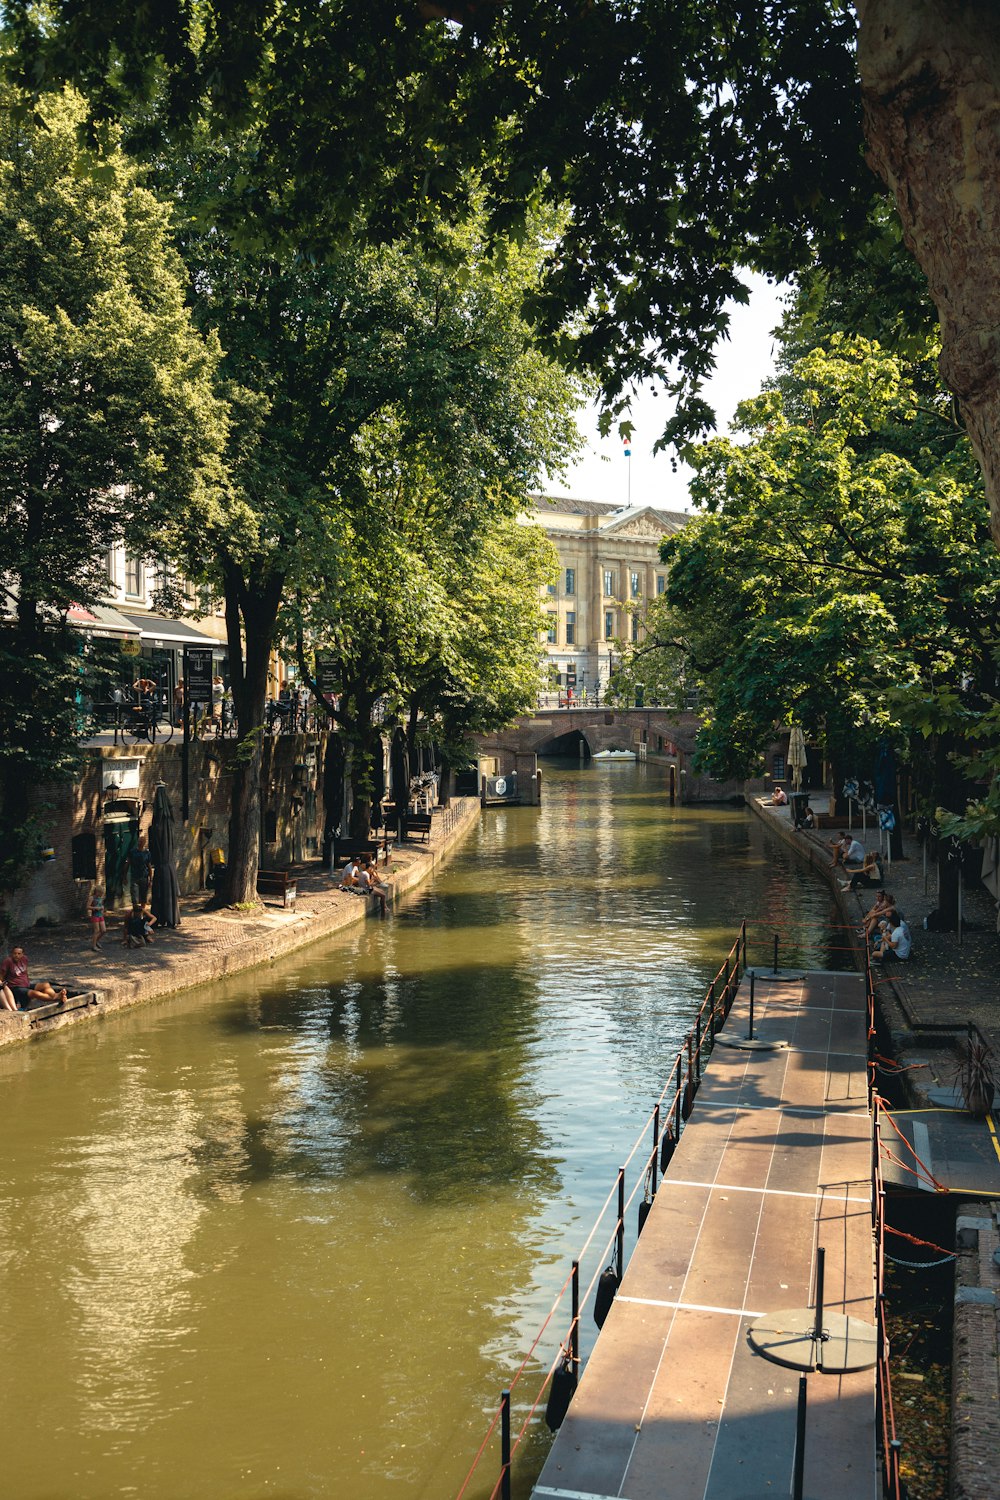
211, 946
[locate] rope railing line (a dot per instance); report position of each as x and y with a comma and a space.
914, 1239
482, 1449
938, 1187
551, 1313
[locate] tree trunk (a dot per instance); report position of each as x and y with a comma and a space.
257, 609
930, 83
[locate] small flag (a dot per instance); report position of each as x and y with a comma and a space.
628, 448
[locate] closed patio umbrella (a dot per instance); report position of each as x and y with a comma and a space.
166, 894
797, 757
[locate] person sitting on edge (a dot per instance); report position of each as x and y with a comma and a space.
895, 943
7, 1001
377, 887
349, 875
779, 797
14, 974
883, 902
868, 876
848, 850
148, 923
807, 818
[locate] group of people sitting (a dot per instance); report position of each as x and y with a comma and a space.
886, 931
17, 990
360, 875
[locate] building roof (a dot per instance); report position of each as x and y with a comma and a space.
565, 505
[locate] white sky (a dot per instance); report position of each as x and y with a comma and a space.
742, 365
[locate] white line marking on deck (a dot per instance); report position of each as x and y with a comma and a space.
731, 1312
726, 1187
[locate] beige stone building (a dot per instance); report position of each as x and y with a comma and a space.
609, 568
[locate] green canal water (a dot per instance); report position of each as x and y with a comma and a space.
291, 1236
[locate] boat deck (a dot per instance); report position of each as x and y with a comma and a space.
774, 1163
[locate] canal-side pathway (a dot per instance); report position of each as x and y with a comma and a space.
774, 1165
209, 946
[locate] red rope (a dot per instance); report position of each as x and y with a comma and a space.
914, 1240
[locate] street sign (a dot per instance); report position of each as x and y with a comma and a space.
129, 645
327, 672
198, 673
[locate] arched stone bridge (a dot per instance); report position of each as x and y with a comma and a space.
560, 731
653, 734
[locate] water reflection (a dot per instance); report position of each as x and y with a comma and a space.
290, 1237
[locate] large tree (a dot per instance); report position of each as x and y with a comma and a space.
347, 374
839, 577
109, 422
690, 139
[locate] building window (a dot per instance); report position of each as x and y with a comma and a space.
551, 591
571, 580
133, 576
571, 627
635, 627
609, 583
635, 585
109, 564
609, 624
551, 635
778, 767
661, 583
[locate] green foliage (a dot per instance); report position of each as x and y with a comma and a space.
841, 575
689, 140
109, 416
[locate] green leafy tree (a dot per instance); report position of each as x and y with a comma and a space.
840, 575
690, 140
350, 378
109, 418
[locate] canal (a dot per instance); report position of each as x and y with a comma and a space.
290, 1237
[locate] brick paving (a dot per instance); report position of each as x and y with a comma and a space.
208, 945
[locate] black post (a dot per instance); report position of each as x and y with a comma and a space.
820, 1272
776, 953
677, 1102
697, 1046
621, 1222
800, 1442
574, 1333
753, 980
186, 747
725, 988
505, 1445
743, 940
656, 1147
711, 1002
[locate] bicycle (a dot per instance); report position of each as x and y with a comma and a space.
143, 722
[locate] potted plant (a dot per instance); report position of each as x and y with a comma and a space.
975, 1076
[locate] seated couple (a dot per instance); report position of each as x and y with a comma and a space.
361, 876
847, 850
868, 877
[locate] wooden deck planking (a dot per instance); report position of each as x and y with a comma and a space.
775, 1160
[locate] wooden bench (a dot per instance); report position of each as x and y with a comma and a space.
278, 883
345, 849
418, 825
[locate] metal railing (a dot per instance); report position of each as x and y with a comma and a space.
666, 1118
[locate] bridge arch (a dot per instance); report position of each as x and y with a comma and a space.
571, 744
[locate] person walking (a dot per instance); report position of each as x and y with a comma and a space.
140, 870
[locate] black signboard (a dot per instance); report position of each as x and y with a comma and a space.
198, 673
327, 672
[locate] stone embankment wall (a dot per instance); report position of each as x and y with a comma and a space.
210, 946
